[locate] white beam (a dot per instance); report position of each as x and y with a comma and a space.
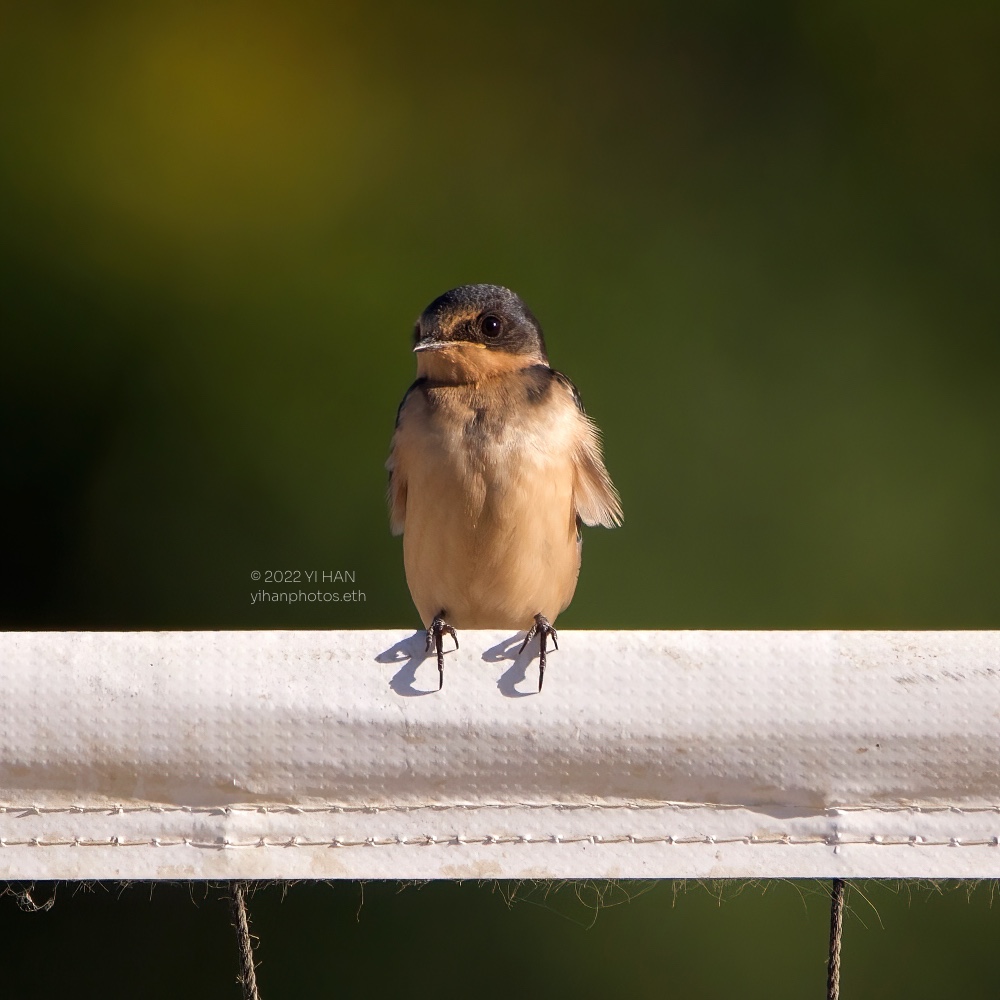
648, 754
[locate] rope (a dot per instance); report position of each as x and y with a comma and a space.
836, 935
241, 921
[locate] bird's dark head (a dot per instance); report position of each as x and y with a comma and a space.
475, 332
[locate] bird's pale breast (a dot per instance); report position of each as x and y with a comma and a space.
490, 532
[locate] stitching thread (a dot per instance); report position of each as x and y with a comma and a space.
110, 810
224, 843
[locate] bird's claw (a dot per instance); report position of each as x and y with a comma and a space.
544, 630
435, 640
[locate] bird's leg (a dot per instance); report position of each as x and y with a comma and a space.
435, 639
543, 629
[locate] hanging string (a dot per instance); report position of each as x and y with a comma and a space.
241, 921
836, 935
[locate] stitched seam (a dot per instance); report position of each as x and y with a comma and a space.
832, 811
224, 843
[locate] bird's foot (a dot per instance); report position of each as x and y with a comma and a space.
435, 640
544, 630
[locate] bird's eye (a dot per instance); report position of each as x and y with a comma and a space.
490, 326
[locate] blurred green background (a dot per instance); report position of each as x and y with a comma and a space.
761, 237
457, 941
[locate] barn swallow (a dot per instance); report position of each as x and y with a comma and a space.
493, 469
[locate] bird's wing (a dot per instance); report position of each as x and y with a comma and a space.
595, 496
396, 494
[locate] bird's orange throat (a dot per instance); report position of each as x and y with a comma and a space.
465, 363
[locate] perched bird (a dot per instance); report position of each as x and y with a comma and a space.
494, 467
